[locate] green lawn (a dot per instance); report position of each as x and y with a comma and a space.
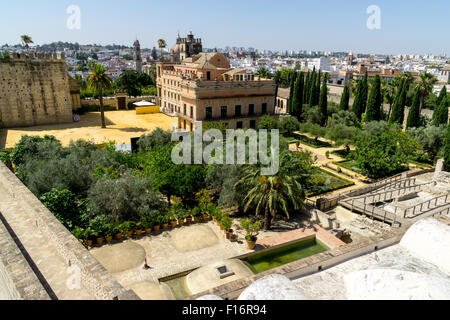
325, 181
314, 143
349, 164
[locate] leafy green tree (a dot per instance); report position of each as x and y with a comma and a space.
440, 115
306, 89
360, 103
183, 181
64, 206
323, 101
373, 112
162, 44
268, 123
26, 41
316, 92
158, 137
263, 73
398, 109
125, 199
280, 193
345, 98
430, 138
447, 151
383, 151
133, 82
413, 120
312, 88
289, 125
292, 92
100, 82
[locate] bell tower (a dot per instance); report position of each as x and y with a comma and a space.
137, 56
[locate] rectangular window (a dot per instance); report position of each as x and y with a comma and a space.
252, 124
264, 108
209, 113
239, 125
184, 109
251, 109
192, 112
224, 112
237, 111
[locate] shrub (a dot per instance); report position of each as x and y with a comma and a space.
251, 229
289, 125
157, 137
64, 206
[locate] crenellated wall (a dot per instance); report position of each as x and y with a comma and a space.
34, 91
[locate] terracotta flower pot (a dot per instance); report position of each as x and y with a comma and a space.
148, 230
119, 236
173, 224
181, 222
189, 220
130, 234
157, 227
138, 232
205, 217
109, 239
229, 235
251, 245
165, 226
100, 241
89, 243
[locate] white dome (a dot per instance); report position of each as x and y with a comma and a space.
429, 239
273, 287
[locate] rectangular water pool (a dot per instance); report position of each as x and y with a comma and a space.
272, 258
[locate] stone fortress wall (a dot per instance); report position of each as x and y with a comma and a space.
34, 90
21, 275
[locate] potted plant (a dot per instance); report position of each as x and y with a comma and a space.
189, 219
139, 228
164, 221
147, 223
173, 219
118, 231
128, 228
252, 232
182, 215
87, 236
226, 224
218, 215
78, 233
196, 214
109, 232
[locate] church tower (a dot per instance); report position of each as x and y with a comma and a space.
137, 56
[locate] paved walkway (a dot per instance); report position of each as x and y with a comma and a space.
42, 252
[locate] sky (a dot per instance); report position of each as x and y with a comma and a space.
406, 26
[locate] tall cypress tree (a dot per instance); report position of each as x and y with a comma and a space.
291, 92
316, 94
359, 106
398, 109
297, 104
323, 100
447, 151
373, 112
306, 89
440, 115
413, 120
345, 98
312, 88
442, 95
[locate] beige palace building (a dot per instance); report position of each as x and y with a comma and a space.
203, 88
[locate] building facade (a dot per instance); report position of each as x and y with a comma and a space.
203, 88
186, 48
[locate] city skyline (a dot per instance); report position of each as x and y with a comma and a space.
268, 26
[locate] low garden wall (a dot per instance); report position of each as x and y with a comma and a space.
112, 101
94, 277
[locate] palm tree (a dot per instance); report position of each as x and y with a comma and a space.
273, 194
162, 44
26, 41
100, 81
263, 73
388, 89
425, 82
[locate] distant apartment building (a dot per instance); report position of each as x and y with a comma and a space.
444, 75
322, 63
203, 88
387, 74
